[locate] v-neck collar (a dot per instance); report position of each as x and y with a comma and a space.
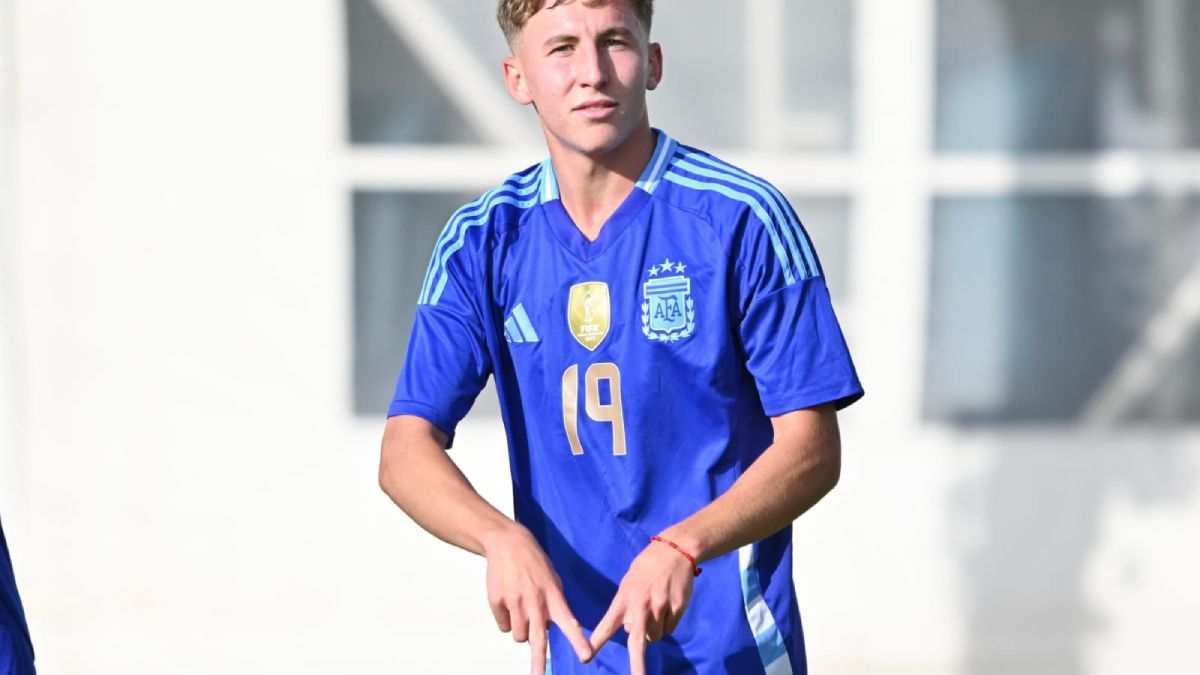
568, 233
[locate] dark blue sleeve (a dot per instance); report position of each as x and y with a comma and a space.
793, 343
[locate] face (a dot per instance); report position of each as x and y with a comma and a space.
587, 71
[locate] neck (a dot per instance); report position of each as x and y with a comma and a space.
592, 187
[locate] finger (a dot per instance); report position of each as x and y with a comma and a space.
637, 645
671, 623
656, 618
675, 615
500, 612
520, 623
537, 643
607, 626
561, 615
654, 628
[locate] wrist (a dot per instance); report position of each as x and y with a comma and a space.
682, 554
687, 539
500, 535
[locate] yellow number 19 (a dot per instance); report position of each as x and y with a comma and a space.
608, 412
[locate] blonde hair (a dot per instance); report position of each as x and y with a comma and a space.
513, 14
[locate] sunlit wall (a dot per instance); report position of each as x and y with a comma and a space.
216, 215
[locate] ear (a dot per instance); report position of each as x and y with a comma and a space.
656, 66
514, 81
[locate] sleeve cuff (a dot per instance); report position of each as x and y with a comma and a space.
841, 396
425, 412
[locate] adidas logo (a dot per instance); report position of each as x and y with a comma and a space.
517, 327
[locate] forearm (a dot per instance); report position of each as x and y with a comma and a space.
793, 474
418, 475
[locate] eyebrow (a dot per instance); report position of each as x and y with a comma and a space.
617, 31
569, 38
564, 37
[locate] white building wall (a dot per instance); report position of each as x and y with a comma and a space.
10, 467
200, 499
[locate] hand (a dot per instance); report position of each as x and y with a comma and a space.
649, 603
525, 595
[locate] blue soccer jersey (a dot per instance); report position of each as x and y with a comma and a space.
637, 374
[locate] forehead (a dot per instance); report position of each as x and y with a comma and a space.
576, 17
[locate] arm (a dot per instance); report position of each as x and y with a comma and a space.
524, 592
799, 468
419, 476
794, 473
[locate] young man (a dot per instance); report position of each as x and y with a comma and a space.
668, 367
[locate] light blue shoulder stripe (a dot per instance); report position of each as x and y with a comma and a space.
443, 274
754, 205
462, 219
451, 229
652, 174
801, 264
805, 244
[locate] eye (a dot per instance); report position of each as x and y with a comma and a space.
615, 42
561, 49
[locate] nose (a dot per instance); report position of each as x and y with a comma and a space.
593, 67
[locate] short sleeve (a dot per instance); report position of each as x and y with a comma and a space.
447, 362
793, 343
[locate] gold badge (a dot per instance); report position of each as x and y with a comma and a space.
588, 313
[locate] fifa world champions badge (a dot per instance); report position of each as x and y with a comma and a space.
668, 310
588, 313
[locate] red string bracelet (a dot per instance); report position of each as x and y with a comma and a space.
695, 569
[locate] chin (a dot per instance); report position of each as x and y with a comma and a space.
596, 140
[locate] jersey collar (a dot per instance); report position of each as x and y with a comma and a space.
564, 228
664, 148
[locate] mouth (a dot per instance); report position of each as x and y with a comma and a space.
597, 109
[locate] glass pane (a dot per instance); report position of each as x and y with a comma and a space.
394, 234
1035, 301
704, 59
706, 47
706, 98
392, 98
478, 29
818, 48
827, 221
1067, 75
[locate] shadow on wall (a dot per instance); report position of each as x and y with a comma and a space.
1038, 511
1075, 75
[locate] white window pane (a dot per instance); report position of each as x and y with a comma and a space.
1036, 300
827, 221
706, 97
394, 234
1067, 75
392, 99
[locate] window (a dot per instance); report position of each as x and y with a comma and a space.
1062, 275
1037, 300
1081, 75
430, 127
394, 234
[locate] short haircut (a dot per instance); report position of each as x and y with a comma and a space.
512, 14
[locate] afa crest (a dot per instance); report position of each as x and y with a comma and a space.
668, 310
